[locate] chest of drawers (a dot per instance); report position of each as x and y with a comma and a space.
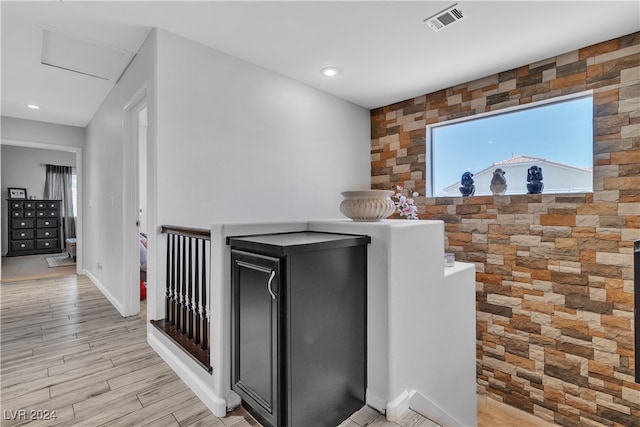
33, 227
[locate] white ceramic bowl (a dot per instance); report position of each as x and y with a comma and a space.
367, 205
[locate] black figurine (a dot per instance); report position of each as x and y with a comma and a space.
534, 178
467, 189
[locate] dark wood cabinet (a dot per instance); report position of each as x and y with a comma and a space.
299, 326
34, 227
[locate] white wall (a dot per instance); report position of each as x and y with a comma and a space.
23, 167
47, 133
227, 141
106, 186
238, 142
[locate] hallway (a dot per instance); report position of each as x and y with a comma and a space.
68, 355
31, 267
67, 352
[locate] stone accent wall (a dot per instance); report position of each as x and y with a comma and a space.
554, 286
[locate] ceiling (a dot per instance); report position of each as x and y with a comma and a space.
385, 52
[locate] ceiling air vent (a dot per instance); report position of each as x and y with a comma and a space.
445, 18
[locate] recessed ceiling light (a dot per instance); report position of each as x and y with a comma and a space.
330, 71
33, 107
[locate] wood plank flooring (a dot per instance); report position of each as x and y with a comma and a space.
29, 267
66, 351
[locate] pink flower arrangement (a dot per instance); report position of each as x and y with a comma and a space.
405, 206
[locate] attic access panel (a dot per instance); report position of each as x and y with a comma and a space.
83, 56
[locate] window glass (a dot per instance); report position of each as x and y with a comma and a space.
555, 136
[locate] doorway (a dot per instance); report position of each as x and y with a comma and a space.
135, 203
142, 211
32, 157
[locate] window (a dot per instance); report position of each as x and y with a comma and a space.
555, 135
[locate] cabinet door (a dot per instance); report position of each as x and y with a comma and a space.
255, 356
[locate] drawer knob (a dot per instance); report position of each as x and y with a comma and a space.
23, 234
46, 234
23, 245
46, 223
23, 223
46, 244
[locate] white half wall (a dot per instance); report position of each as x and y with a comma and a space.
420, 317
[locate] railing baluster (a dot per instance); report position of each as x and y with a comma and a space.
183, 283
167, 300
174, 295
196, 296
203, 303
186, 313
189, 316
179, 268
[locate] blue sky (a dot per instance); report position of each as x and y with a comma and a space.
561, 132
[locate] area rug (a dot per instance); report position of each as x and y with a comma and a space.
60, 261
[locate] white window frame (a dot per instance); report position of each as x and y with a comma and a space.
429, 143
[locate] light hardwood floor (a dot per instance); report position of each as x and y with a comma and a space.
32, 267
66, 349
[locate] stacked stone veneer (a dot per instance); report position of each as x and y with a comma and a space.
554, 279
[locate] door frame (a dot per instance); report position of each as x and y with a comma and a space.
80, 180
131, 205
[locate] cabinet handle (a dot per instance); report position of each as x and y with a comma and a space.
273, 274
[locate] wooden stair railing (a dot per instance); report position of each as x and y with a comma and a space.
187, 315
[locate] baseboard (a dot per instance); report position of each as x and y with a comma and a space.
165, 350
233, 401
398, 407
105, 292
421, 404
376, 402
425, 407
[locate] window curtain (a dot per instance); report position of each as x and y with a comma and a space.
58, 186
